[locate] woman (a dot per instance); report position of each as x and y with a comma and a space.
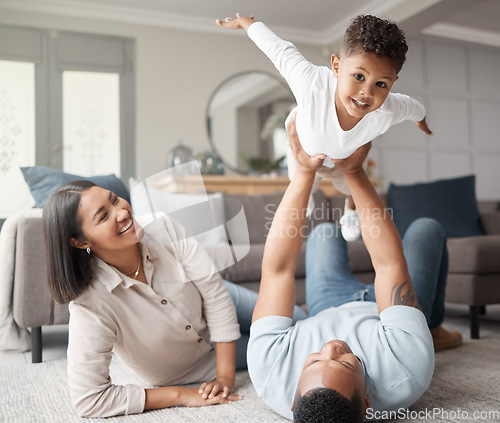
151, 295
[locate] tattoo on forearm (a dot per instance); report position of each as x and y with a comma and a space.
403, 294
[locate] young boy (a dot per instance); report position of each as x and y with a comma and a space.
345, 107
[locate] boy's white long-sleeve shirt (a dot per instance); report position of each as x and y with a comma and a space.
314, 90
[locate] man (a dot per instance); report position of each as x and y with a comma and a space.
353, 356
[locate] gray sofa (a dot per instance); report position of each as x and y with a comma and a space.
474, 266
260, 210
474, 272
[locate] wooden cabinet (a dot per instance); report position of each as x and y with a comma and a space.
239, 184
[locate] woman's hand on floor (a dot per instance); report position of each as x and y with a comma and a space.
221, 385
190, 397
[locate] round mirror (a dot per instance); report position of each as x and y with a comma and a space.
246, 122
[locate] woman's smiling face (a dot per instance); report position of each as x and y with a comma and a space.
108, 225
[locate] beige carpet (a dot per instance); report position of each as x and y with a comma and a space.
466, 382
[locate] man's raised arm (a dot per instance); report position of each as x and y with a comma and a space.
393, 285
283, 243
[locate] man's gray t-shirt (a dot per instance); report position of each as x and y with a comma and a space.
395, 348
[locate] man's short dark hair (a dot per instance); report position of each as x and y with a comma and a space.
325, 405
374, 35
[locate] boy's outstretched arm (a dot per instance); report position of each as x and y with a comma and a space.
240, 22
283, 243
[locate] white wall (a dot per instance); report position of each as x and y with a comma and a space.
176, 73
457, 83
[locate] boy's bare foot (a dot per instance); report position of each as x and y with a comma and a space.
444, 339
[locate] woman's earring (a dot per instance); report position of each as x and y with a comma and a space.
88, 250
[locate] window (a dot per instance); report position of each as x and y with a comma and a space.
17, 131
67, 102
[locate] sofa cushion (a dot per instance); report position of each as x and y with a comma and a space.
260, 211
320, 214
477, 254
491, 222
202, 215
359, 259
488, 206
452, 202
254, 208
475, 290
250, 267
336, 205
31, 302
43, 181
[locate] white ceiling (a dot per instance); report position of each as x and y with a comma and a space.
319, 22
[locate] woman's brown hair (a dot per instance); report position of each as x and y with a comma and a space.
69, 269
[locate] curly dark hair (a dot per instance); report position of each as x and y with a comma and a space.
325, 405
374, 35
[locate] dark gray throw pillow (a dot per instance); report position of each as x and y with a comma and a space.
452, 202
43, 181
